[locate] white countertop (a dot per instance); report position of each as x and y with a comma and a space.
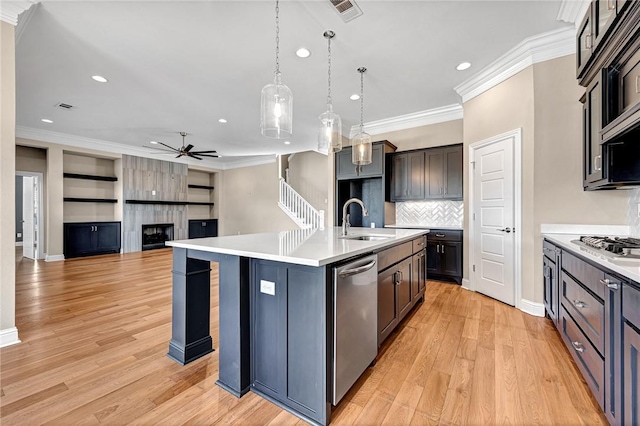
302, 247
629, 269
395, 225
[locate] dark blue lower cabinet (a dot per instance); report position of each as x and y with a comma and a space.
291, 322
91, 238
202, 228
613, 350
631, 375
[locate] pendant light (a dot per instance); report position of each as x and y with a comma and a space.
276, 107
330, 135
361, 152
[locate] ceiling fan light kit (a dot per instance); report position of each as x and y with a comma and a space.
362, 147
330, 134
276, 106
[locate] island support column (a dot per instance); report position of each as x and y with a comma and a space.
191, 314
191, 292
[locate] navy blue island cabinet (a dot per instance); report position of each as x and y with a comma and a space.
277, 309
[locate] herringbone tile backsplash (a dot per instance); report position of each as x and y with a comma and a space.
634, 220
430, 213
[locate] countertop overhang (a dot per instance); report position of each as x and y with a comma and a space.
317, 247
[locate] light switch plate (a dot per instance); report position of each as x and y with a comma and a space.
268, 287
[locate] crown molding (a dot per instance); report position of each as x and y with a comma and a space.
572, 11
408, 121
9, 10
538, 48
24, 20
89, 144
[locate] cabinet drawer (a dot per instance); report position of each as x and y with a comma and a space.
550, 250
394, 255
586, 310
588, 360
587, 275
630, 79
419, 244
631, 305
444, 235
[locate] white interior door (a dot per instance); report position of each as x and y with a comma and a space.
493, 216
28, 217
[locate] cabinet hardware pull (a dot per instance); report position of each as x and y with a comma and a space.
637, 83
445, 191
579, 347
438, 248
611, 5
587, 41
440, 190
595, 162
579, 304
443, 249
440, 235
608, 283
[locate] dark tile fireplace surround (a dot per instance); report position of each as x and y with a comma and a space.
154, 235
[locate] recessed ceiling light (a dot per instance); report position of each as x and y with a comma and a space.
222, 120
354, 97
99, 78
46, 120
463, 66
303, 53
154, 142
287, 143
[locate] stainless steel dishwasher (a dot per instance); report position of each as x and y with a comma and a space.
355, 322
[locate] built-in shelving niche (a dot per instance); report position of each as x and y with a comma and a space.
202, 195
91, 188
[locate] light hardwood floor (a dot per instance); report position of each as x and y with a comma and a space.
95, 333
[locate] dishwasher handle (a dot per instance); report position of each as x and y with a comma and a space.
359, 269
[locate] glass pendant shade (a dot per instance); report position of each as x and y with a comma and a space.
330, 135
362, 147
276, 110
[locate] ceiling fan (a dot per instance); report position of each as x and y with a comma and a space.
186, 151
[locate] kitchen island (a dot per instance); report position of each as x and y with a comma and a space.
276, 304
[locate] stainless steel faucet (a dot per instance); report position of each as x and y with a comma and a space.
345, 215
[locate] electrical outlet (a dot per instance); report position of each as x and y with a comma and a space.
19, 234
373, 224
153, 192
268, 287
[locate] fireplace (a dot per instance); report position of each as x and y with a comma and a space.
154, 235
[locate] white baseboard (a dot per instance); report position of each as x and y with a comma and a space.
9, 336
18, 243
53, 258
532, 308
466, 284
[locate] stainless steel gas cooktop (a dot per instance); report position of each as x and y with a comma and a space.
617, 248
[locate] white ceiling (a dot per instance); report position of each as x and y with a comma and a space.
180, 66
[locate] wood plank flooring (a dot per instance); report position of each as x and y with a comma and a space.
95, 332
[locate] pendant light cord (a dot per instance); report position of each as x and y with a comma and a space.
277, 37
329, 101
361, 71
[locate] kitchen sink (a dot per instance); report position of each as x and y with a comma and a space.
365, 237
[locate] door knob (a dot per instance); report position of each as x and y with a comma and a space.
507, 230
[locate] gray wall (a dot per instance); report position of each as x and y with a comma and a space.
18, 208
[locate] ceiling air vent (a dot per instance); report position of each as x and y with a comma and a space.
347, 9
64, 106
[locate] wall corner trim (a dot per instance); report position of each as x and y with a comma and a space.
9, 336
408, 121
538, 48
9, 10
532, 308
53, 258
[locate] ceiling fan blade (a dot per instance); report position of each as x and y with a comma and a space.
193, 156
188, 148
170, 147
206, 155
204, 152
